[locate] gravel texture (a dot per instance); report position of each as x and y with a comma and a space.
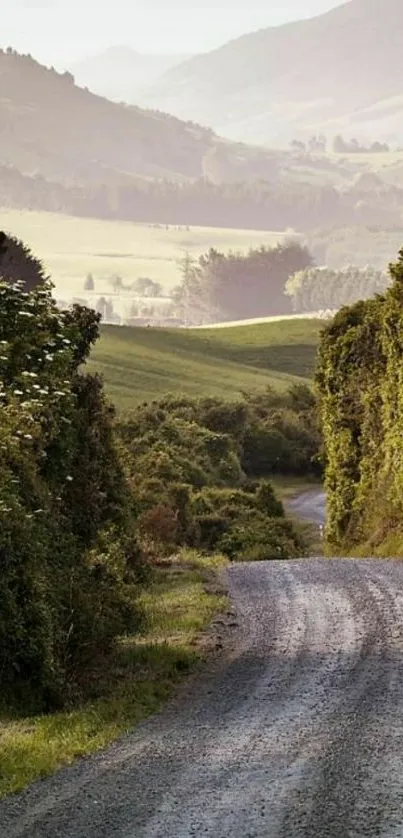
295, 732
309, 506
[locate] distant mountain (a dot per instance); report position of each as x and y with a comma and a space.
340, 72
121, 73
51, 127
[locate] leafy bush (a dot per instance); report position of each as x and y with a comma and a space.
198, 469
68, 567
263, 538
234, 522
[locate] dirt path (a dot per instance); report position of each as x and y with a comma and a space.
296, 734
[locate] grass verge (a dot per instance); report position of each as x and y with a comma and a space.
179, 604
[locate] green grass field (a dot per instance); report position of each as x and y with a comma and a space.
73, 247
140, 364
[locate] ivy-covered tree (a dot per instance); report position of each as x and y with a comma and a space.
360, 382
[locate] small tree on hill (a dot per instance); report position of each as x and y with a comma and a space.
89, 283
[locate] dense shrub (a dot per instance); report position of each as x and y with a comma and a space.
360, 381
221, 454
261, 538
67, 548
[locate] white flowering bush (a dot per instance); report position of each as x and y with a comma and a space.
65, 509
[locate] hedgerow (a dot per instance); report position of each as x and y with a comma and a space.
68, 579
360, 382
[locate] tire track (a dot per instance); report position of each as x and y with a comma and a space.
296, 733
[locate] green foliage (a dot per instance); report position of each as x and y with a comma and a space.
240, 523
18, 264
261, 538
360, 385
194, 481
67, 551
282, 436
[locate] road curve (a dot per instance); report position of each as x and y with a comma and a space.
309, 506
297, 733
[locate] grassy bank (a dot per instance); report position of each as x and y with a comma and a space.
140, 364
180, 602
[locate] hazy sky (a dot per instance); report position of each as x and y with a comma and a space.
59, 30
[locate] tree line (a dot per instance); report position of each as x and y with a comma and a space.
265, 282
318, 144
257, 204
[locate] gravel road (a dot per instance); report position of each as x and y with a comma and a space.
309, 506
297, 732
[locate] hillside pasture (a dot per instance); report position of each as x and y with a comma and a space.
142, 364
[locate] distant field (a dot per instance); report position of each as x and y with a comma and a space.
372, 160
140, 364
73, 247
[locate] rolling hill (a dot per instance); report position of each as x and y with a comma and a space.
121, 73
54, 129
338, 72
140, 364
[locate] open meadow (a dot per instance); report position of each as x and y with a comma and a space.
72, 247
141, 364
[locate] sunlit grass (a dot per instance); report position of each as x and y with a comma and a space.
140, 364
133, 685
